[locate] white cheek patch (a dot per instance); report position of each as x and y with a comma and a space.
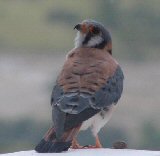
79, 39
94, 41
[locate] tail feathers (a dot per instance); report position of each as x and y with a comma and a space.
52, 147
43, 146
51, 144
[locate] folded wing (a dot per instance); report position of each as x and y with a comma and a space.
91, 80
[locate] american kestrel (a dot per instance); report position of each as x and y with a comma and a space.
86, 91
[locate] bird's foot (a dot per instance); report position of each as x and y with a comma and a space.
97, 145
92, 146
75, 144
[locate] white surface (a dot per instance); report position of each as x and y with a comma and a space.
89, 152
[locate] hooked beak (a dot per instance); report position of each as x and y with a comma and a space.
82, 28
78, 27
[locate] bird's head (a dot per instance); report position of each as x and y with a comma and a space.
92, 34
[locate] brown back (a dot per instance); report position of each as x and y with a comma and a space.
86, 70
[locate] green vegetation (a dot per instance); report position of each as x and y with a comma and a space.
150, 136
20, 135
48, 25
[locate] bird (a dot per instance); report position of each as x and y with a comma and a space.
86, 91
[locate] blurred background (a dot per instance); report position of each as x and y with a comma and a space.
35, 36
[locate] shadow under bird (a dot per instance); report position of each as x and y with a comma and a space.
86, 91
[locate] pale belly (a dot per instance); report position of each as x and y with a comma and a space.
98, 121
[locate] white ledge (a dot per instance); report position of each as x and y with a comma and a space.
89, 152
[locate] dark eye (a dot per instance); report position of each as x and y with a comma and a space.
95, 30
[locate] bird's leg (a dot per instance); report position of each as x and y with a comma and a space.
75, 144
97, 144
